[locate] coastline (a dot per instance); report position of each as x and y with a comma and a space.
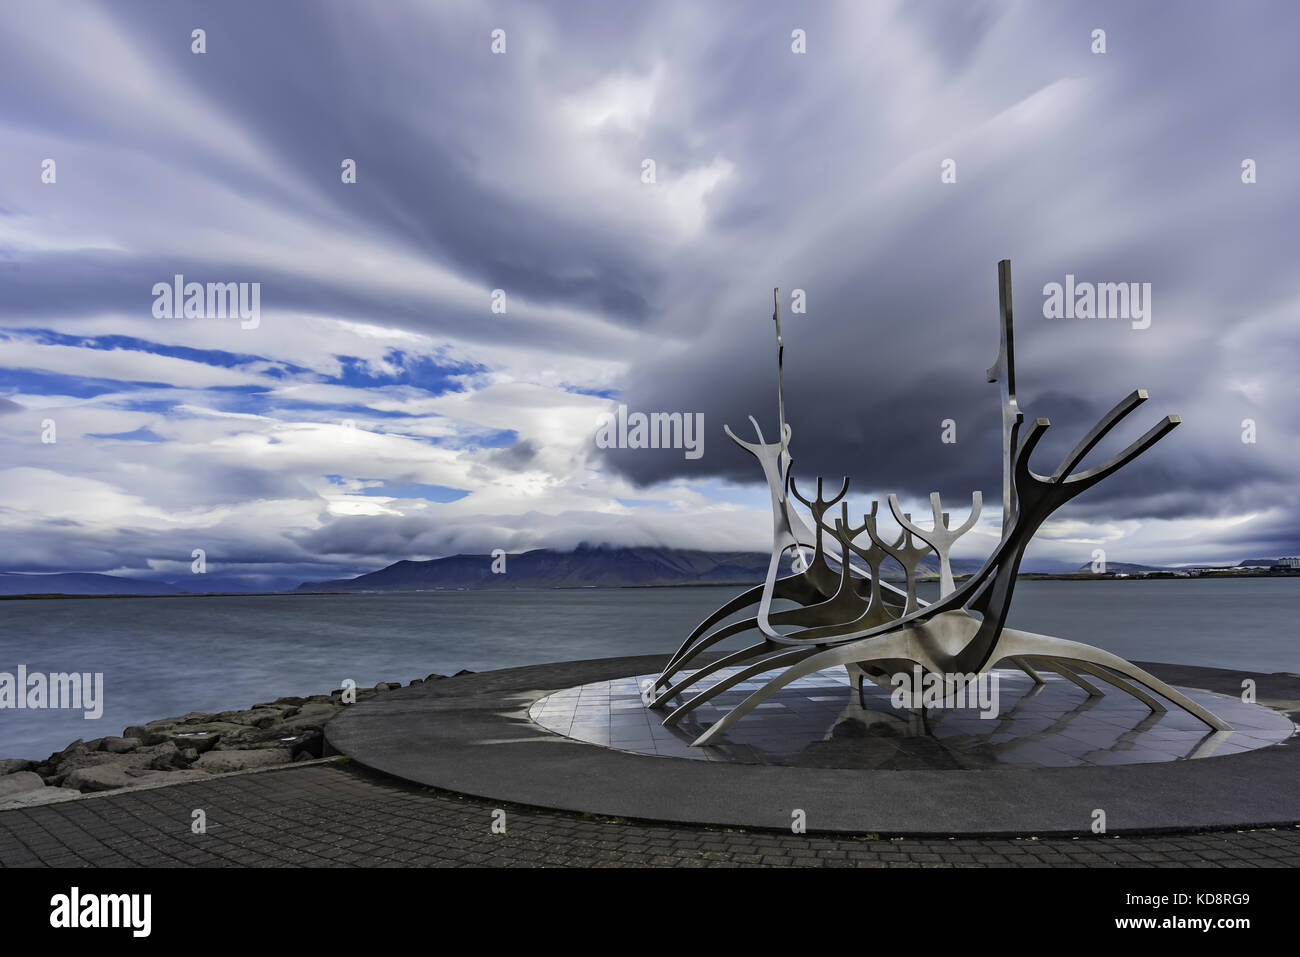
191, 747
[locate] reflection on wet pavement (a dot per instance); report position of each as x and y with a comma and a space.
817, 722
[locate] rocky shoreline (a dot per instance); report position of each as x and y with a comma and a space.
192, 747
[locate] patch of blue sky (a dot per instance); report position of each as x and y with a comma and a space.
143, 405
267, 404
432, 493
246, 399
40, 382
211, 357
641, 503
429, 374
490, 439
598, 393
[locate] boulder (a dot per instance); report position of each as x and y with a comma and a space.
105, 777
310, 743
220, 761
76, 747
274, 706
18, 782
198, 741
109, 777
201, 737
10, 765
37, 796
147, 734
312, 718
169, 757
258, 717
55, 772
115, 745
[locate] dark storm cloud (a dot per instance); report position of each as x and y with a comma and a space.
1140, 183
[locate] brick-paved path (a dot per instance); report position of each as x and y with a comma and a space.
339, 815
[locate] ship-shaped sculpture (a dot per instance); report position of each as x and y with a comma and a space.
848, 617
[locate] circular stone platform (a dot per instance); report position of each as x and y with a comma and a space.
473, 734
818, 721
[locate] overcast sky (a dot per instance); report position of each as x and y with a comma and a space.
381, 410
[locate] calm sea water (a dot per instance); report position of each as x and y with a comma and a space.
168, 656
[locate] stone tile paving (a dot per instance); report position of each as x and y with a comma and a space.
338, 815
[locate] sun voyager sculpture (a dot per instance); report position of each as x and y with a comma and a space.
848, 617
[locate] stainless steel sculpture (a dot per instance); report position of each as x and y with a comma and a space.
847, 616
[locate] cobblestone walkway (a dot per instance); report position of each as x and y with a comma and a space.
339, 815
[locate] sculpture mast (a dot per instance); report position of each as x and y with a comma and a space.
780, 363
1004, 371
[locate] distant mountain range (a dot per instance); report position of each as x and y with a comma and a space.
79, 583
587, 566
88, 583
1124, 568
1130, 568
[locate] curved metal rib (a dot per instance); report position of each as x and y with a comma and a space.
784, 657
896, 645
796, 588
1024, 642
735, 658
1110, 678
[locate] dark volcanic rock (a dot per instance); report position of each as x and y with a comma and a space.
188, 747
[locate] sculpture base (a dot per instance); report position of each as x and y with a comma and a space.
473, 735
1006, 721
